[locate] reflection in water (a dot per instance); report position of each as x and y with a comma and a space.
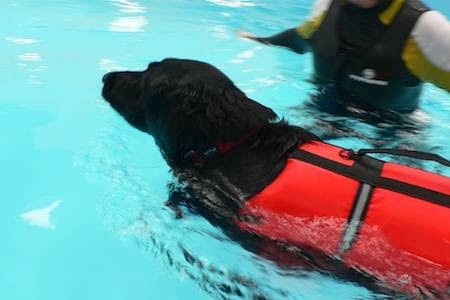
32, 62
128, 24
109, 65
21, 41
41, 217
268, 81
220, 32
127, 6
135, 23
30, 56
245, 55
232, 3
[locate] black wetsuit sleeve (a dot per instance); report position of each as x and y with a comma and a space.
289, 39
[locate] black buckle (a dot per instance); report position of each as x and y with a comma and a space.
349, 154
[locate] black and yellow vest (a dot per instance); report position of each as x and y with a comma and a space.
375, 76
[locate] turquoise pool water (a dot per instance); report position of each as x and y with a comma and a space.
66, 154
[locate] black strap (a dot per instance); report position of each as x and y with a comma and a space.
375, 180
408, 153
361, 203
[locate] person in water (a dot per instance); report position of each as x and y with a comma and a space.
375, 54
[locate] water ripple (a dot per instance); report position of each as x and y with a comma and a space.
133, 207
128, 24
128, 6
21, 41
30, 56
233, 3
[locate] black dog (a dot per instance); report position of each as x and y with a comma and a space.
189, 107
224, 146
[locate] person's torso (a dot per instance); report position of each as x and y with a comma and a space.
362, 56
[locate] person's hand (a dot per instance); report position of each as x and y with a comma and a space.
246, 35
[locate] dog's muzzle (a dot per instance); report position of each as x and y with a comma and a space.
108, 76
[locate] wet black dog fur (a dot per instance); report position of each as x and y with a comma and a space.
188, 106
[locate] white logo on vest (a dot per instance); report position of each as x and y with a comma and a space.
369, 73
368, 76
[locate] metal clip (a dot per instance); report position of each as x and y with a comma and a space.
349, 154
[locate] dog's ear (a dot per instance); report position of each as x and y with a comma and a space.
189, 118
224, 115
231, 114
191, 105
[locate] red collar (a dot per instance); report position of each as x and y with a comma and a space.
198, 157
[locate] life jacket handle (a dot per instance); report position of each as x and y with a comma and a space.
408, 153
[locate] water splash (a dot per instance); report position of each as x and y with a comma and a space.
133, 207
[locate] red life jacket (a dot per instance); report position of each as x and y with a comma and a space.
388, 220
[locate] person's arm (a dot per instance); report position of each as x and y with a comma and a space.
288, 38
295, 39
427, 51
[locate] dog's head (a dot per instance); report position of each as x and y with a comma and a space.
184, 105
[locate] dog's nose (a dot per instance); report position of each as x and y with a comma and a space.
107, 76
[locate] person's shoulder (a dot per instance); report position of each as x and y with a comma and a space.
431, 23
320, 7
431, 34
315, 18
